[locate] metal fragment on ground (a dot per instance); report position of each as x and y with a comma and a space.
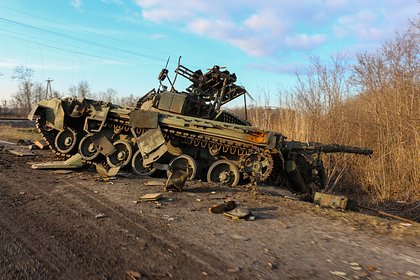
73, 162
238, 213
151, 197
176, 180
155, 183
333, 201
21, 153
222, 207
41, 144
107, 173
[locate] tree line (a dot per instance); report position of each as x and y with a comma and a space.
371, 99
31, 92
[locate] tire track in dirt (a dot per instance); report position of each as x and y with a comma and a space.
193, 259
32, 236
58, 233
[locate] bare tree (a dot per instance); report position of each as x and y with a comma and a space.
110, 95
23, 97
57, 94
73, 91
38, 92
83, 89
4, 108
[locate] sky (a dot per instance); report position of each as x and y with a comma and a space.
123, 44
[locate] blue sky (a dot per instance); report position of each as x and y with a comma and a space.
123, 44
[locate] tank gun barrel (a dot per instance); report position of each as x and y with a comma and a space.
183, 130
315, 147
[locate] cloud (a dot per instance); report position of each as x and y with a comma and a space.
369, 24
305, 41
266, 27
77, 4
281, 68
249, 39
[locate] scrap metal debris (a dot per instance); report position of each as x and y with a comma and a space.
344, 203
107, 174
155, 183
334, 201
176, 180
72, 163
41, 145
238, 213
222, 207
151, 197
21, 153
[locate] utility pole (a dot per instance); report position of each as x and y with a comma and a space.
245, 109
48, 89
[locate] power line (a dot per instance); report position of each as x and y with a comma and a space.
87, 31
61, 49
83, 30
79, 39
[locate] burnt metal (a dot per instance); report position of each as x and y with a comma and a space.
170, 127
143, 119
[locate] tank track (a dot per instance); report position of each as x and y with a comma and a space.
243, 151
49, 137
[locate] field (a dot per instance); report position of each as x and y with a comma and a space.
10, 133
49, 230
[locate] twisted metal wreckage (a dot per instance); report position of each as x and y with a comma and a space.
185, 129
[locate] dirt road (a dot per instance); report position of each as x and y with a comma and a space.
48, 230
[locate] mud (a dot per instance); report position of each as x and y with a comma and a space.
48, 230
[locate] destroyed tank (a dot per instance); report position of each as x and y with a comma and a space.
183, 130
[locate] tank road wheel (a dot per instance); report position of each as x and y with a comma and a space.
122, 154
137, 165
225, 172
65, 141
184, 162
261, 164
87, 148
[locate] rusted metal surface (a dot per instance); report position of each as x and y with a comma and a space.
102, 143
166, 124
143, 119
328, 200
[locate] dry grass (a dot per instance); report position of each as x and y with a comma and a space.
13, 134
384, 115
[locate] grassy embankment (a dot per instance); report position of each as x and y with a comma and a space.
13, 134
373, 102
